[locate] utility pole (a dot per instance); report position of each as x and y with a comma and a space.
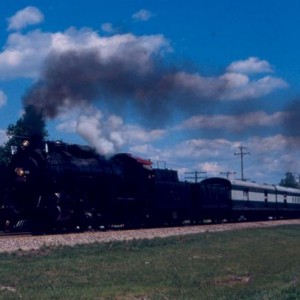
194, 175
242, 154
297, 177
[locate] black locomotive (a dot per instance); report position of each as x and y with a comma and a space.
62, 185
59, 185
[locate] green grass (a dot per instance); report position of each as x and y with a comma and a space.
247, 264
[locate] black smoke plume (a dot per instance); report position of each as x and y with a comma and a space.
78, 78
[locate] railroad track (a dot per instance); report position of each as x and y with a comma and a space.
27, 242
4, 234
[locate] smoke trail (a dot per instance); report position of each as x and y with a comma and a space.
106, 136
131, 72
79, 78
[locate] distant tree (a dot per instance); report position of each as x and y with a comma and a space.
31, 125
289, 181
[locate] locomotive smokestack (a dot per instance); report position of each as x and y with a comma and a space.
32, 125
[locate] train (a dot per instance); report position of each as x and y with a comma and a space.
60, 186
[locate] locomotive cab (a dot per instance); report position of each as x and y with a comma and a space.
133, 186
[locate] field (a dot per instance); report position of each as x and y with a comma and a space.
244, 264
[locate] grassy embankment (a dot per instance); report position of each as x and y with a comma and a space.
246, 264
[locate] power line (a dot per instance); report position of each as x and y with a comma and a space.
194, 175
242, 154
228, 173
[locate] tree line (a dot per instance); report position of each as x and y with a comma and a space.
31, 126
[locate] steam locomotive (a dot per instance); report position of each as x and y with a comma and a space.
60, 186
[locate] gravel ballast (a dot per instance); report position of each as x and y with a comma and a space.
27, 243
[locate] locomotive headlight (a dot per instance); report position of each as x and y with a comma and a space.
20, 171
25, 143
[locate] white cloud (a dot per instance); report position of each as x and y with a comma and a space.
138, 134
24, 54
211, 168
276, 143
3, 98
142, 15
146, 150
235, 123
250, 66
271, 157
211, 156
229, 86
108, 47
200, 148
108, 28
239, 84
235, 80
239, 87
27, 16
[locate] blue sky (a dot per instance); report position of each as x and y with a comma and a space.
186, 82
